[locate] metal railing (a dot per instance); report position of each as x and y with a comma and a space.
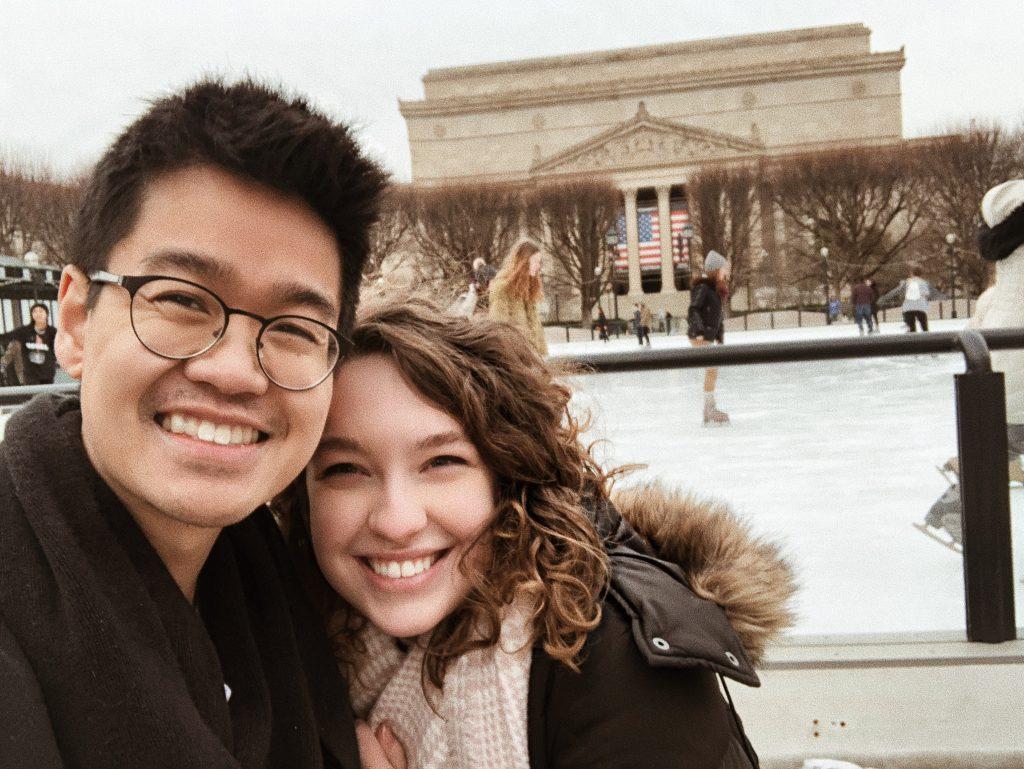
981, 436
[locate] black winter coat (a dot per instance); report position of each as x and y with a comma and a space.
705, 317
103, 662
648, 694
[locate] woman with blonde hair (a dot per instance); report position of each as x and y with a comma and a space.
488, 602
516, 291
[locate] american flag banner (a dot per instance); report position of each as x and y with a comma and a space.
649, 231
680, 244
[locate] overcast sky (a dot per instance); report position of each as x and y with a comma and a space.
74, 72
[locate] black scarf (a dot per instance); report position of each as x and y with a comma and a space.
129, 673
997, 243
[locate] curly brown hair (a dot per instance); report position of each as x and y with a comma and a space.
544, 545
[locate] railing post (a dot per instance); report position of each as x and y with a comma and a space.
984, 495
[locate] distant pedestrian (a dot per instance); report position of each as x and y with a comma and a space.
875, 293
482, 275
516, 291
602, 325
862, 296
706, 325
646, 321
916, 293
668, 322
38, 362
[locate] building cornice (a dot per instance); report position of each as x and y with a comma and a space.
708, 45
646, 86
769, 157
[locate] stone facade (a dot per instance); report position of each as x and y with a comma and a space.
649, 117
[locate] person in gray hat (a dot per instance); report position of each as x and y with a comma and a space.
706, 325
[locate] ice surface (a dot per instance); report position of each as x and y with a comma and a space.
833, 459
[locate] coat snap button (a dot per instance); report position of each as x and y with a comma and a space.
660, 643
732, 658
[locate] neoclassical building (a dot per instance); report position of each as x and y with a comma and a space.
649, 117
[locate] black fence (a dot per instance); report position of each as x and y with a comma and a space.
981, 438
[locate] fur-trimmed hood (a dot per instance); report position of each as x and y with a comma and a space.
704, 545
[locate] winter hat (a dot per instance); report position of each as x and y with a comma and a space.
1002, 229
713, 261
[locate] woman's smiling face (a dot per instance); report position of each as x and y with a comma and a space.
399, 497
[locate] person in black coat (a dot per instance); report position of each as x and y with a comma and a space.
706, 325
38, 363
490, 602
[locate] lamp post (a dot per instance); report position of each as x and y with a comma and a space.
828, 298
951, 255
611, 240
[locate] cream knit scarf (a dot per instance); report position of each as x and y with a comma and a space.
481, 711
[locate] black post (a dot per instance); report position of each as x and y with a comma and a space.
984, 495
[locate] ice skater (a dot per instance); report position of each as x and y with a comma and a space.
916, 293
875, 293
706, 325
862, 296
1001, 240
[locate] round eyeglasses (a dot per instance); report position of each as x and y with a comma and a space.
179, 319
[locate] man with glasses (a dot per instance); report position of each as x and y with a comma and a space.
147, 616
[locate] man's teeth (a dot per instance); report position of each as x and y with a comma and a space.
205, 430
401, 569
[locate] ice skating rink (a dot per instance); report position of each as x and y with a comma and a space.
835, 460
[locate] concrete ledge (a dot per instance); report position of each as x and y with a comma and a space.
890, 650
893, 701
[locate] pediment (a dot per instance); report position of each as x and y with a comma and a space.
645, 141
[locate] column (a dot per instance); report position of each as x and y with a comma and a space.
668, 282
632, 242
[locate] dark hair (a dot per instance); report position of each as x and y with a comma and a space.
915, 271
544, 544
249, 130
39, 304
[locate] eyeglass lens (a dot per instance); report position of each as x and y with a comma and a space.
179, 320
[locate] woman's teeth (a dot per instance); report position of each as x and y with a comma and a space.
401, 569
210, 432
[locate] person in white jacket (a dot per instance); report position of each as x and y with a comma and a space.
1001, 241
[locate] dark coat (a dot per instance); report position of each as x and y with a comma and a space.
34, 373
103, 662
647, 694
705, 317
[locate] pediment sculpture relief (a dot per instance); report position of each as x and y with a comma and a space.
647, 141
647, 147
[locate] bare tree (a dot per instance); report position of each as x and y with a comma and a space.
573, 218
723, 207
455, 224
861, 204
12, 203
38, 206
956, 170
390, 233
49, 214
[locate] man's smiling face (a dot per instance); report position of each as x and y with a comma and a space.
147, 422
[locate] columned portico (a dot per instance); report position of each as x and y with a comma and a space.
632, 241
668, 283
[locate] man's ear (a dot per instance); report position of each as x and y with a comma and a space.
69, 345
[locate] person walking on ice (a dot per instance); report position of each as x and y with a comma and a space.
706, 325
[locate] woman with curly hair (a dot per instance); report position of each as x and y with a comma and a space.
489, 604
